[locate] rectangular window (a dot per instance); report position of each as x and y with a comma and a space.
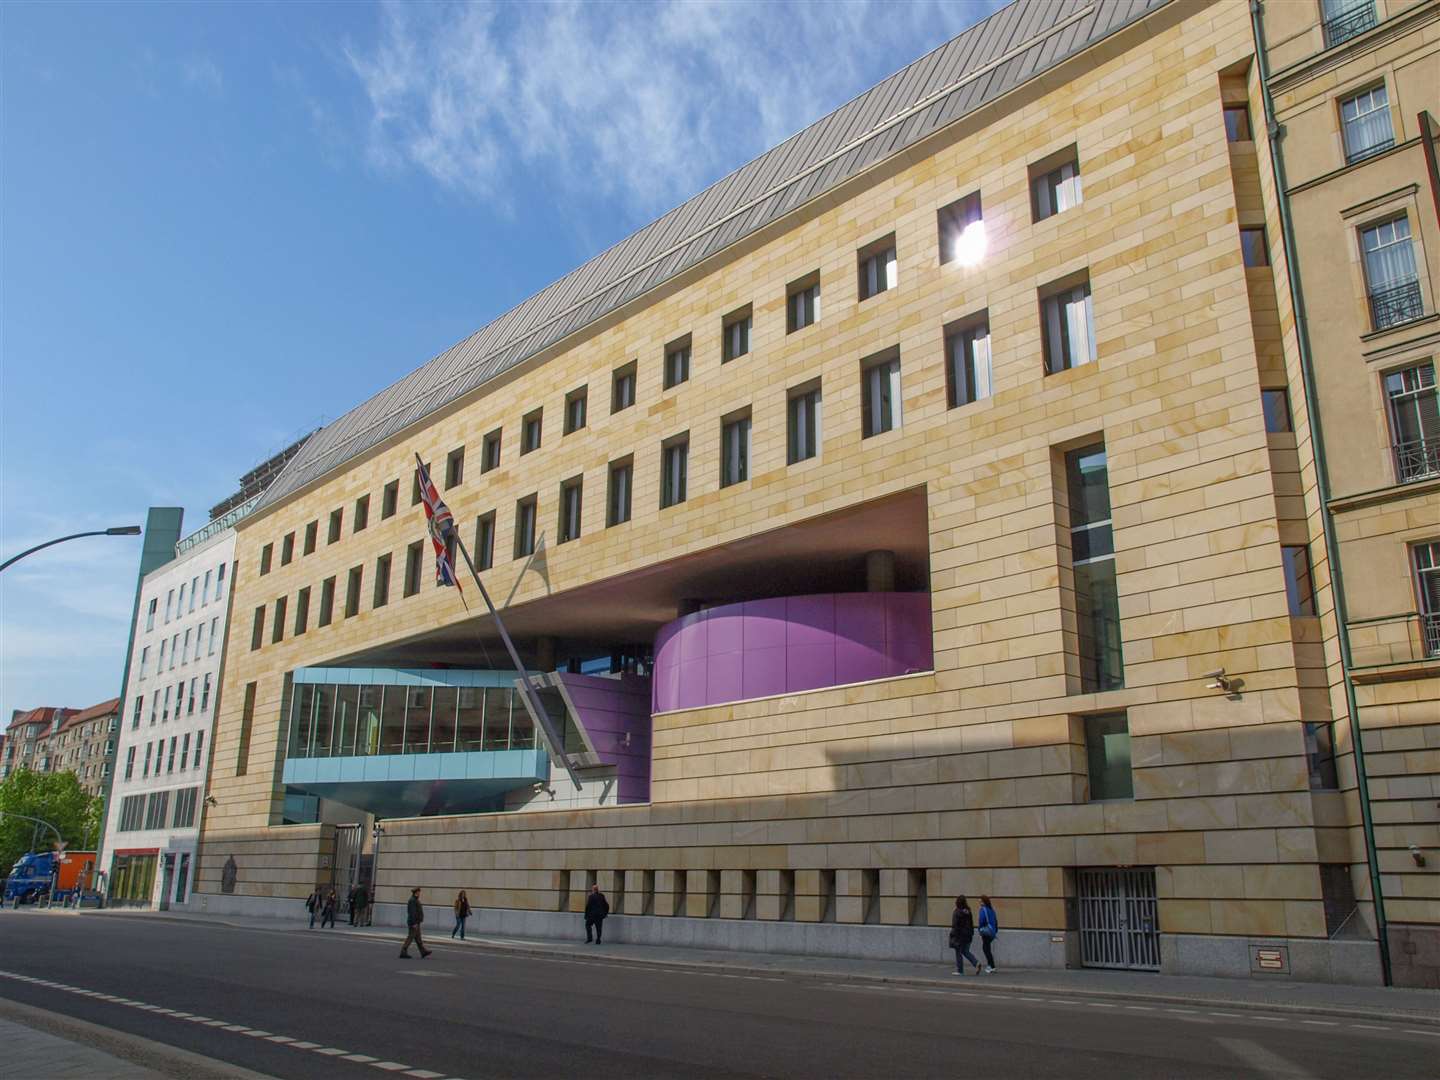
190, 700
674, 466
135, 715
205, 692
1299, 586
242, 749
353, 581
485, 541
414, 556
312, 530
490, 451
179, 699
622, 388
1426, 557
415, 484
877, 268
149, 753
180, 608
174, 651
157, 804
735, 449
287, 549
1390, 273
1276, 406
277, 625
1345, 19
214, 635
617, 497
525, 527
961, 229
194, 587
1365, 124
1092, 558
677, 362
257, 629
169, 603
170, 760
1414, 410
575, 410
880, 393
185, 752
220, 582
205, 590
1055, 185
150, 614
455, 467
361, 515
571, 492
1067, 319
184, 808
302, 611
336, 521
267, 553
802, 303
327, 602
389, 499
735, 335
132, 810
531, 428
967, 356
1107, 748
381, 595
185, 649
200, 742
1253, 249
802, 421
154, 706
1237, 123
145, 659
1320, 756
130, 763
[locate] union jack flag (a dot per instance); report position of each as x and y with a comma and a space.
441, 524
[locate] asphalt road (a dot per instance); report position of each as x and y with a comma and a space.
466, 1012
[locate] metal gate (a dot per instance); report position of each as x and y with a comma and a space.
1119, 924
345, 865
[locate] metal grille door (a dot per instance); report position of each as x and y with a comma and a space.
344, 869
1119, 924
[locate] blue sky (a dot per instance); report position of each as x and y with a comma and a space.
224, 225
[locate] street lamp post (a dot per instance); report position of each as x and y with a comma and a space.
117, 530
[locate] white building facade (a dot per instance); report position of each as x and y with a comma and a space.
167, 712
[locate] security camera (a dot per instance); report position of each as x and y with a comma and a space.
1216, 674
1218, 681
1417, 855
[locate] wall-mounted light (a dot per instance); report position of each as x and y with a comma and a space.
1218, 681
1417, 855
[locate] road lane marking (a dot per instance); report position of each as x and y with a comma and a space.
390, 1066
363, 1059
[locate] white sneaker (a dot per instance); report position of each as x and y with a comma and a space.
989, 971
957, 973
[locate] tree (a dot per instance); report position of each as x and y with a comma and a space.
54, 797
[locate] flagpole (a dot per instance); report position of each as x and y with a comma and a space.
541, 716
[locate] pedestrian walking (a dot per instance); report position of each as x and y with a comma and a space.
596, 908
462, 912
362, 906
327, 912
312, 905
962, 932
414, 916
354, 904
989, 931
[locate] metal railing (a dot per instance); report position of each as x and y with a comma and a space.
1418, 459
1430, 632
1397, 304
1352, 156
1348, 24
219, 525
1395, 639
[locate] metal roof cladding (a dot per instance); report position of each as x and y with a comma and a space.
1011, 47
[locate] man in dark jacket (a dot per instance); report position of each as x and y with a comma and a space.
596, 908
414, 916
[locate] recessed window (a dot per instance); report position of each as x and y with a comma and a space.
1055, 184
360, 517
327, 602
381, 595
735, 449
257, 634
1107, 750
415, 485
525, 527
287, 554
302, 620
877, 268
677, 362
352, 591
312, 531
267, 555
967, 360
336, 521
389, 499
1299, 585
802, 421
1390, 273
1365, 123
490, 451
414, 559
674, 469
575, 410
880, 393
571, 493
961, 229
1276, 405
455, 467
617, 497
1067, 319
1092, 561
1253, 247
1414, 410
485, 541
1426, 557
1237, 123
277, 625
735, 335
802, 303
1320, 756
531, 428
622, 388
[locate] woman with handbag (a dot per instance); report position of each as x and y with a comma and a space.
962, 932
462, 912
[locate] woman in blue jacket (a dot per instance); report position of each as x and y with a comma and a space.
989, 928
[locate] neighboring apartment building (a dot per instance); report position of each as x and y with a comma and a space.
85, 745
903, 516
27, 739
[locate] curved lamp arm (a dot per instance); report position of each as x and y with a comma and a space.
118, 530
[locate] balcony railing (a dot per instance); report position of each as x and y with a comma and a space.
1430, 632
1393, 640
1396, 305
1418, 459
1348, 24
1363, 152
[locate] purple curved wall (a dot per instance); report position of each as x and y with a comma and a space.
764, 647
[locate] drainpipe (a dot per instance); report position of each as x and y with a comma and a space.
1322, 483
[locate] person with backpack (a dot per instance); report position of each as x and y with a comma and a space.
313, 904
462, 912
989, 930
962, 932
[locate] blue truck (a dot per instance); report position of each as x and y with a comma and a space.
45, 876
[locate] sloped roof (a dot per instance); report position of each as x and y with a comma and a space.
998, 54
105, 708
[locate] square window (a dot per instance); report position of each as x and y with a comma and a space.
880, 393
674, 467
455, 467
622, 388
485, 541
735, 449
877, 268
1107, 749
525, 527
1055, 184
967, 360
677, 362
617, 508
802, 303
1237, 123
1253, 248
575, 410
361, 515
531, 429
802, 417
1068, 321
571, 492
1299, 586
490, 452
961, 229
1276, 405
735, 335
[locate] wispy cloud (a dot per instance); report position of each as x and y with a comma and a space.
647, 102
203, 72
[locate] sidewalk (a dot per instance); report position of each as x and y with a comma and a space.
1282, 995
